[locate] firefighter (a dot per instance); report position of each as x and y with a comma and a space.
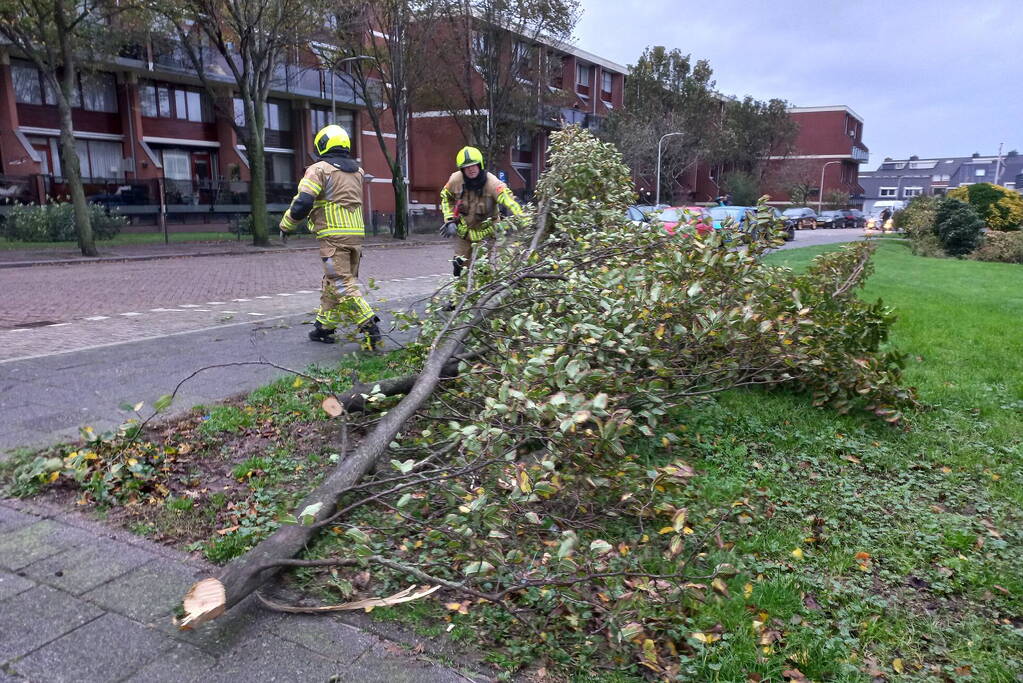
470, 201
330, 195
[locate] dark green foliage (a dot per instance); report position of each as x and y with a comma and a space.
743, 187
56, 223
958, 227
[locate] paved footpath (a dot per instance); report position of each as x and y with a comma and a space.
80, 603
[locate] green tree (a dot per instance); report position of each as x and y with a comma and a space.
667, 92
752, 131
999, 207
61, 37
250, 41
836, 199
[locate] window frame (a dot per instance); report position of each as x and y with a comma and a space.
887, 192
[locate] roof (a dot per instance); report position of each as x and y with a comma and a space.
570, 49
836, 107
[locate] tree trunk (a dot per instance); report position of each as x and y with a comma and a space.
257, 170
401, 226
73, 175
247, 573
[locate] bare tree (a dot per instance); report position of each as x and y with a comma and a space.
250, 40
60, 37
493, 70
386, 43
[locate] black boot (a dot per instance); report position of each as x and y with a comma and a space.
319, 333
457, 264
374, 340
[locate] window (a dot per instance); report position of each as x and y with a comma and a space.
280, 168
940, 178
100, 158
29, 87
912, 191
582, 79
887, 192
177, 164
922, 164
92, 91
980, 172
556, 70
521, 58
346, 119
607, 81
99, 92
278, 116
175, 101
481, 44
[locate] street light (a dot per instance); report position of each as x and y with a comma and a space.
820, 193
333, 66
657, 201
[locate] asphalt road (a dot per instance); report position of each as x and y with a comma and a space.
77, 341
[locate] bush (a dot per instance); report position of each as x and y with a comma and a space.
917, 219
743, 188
56, 223
927, 244
958, 227
243, 225
999, 207
1006, 247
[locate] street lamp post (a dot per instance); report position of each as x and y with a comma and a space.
333, 66
820, 192
657, 201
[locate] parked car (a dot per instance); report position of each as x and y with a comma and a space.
637, 215
805, 218
861, 218
692, 216
737, 216
831, 219
788, 224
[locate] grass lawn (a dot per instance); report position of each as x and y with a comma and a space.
862, 552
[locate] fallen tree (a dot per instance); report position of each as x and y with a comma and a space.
579, 339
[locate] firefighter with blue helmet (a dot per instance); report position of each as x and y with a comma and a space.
330, 196
470, 202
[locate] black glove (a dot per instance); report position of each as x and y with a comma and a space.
449, 229
284, 237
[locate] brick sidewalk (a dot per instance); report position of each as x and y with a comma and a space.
81, 602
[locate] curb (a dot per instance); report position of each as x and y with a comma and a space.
403, 244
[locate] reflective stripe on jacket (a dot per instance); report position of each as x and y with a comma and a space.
337, 205
477, 209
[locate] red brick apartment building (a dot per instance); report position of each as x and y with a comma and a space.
146, 121
829, 141
581, 88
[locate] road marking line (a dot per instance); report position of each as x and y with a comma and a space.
98, 317
188, 305
240, 300
251, 313
229, 311
306, 291
130, 314
21, 329
264, 297
167, 310
58, 324
283, 294
215, 303
203, 310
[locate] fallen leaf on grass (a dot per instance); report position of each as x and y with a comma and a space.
720, 586
227, 530
460, 607
897, 665
852, 459
795, 675
810, 602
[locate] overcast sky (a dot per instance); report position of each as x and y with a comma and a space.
929, 78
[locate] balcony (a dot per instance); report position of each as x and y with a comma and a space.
860, 154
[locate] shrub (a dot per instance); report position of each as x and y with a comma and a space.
1006, 247
243, 225
55, 222
999, 207
917, 219
927, 244
958, 227
743, 188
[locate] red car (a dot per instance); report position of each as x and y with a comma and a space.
692, 216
